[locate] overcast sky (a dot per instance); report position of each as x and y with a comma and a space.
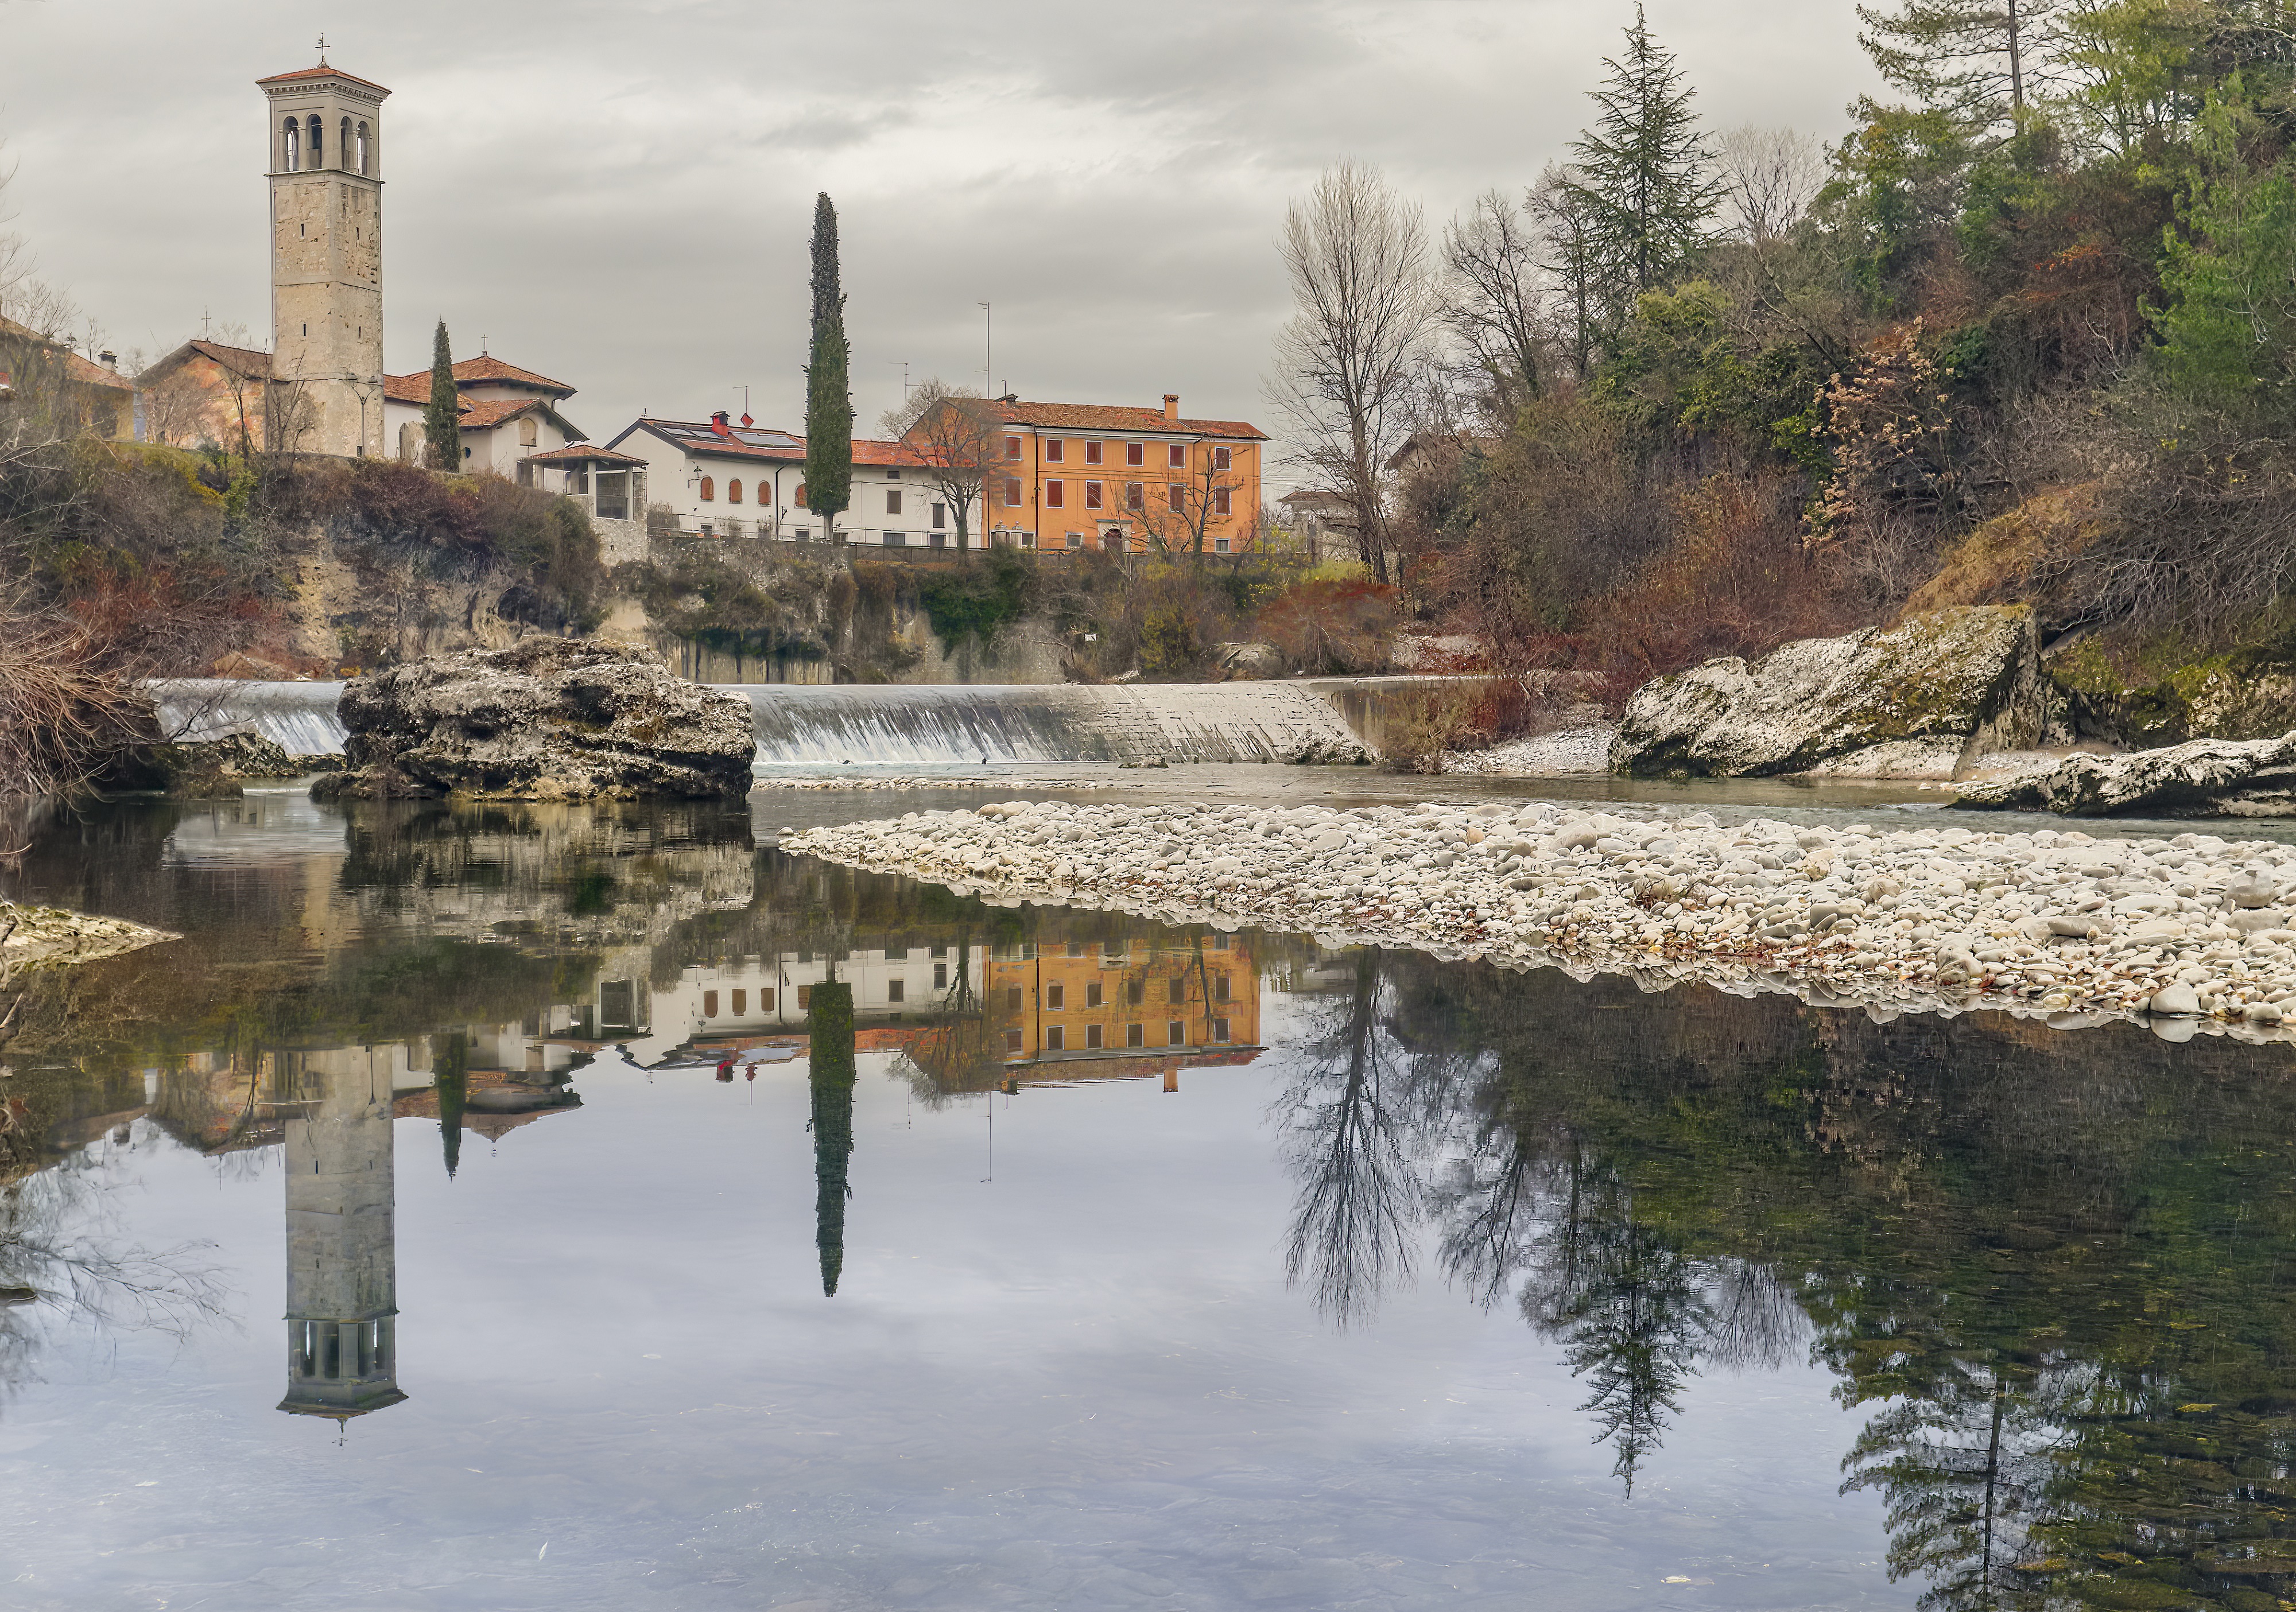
620, 196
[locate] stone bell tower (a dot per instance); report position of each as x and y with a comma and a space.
326, 262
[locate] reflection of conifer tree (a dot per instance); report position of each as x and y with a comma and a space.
1360, 1197
832, 1082
452, 1066
1961, 1466
1627, 1305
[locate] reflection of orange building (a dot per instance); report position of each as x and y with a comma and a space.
1169, 993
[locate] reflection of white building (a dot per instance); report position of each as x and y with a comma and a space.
342, 1282
769, 996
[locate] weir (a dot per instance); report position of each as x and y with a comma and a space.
888, 724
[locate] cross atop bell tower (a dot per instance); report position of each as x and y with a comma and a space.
325, 173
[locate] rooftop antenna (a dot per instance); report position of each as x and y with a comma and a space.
905, 376
988, 345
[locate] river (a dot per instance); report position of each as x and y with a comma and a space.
509, 1207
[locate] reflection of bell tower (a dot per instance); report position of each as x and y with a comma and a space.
325, 169
343, 1304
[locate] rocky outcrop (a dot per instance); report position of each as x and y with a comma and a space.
1920, 699
545, 719
55, 937
2203, 777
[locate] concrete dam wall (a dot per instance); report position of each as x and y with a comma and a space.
891, 724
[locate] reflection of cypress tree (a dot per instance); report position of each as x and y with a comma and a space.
452, 1064
833, 1123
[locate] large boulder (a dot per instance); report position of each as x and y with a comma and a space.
1920, 699
545, 719
2201, 778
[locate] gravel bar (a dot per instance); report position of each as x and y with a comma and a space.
2186, 934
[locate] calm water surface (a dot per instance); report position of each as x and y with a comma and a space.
537, 1208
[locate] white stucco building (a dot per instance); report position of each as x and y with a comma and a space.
507, 415
721, 478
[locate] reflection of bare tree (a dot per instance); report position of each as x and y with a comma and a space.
1352, 1229
963, 1049
84, 1276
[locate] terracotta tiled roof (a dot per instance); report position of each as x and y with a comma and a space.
480, 414
303, 74
763, 442
414, 388
85, 372
582, 453
486, 368
1117, 417
240, 360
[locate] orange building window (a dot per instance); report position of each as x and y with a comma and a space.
1053, 449
1056, 997
1092, 1036
1055, 495
1133, 498
1176, 456
1011, 448
1220, 505
1011, 492
1172, 496
709, 489
1221, 459
1011, 1040
1092, 453
733, 491
1011, 999
1092, 495
1134, 452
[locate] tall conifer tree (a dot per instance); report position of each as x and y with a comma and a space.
828, 396
442, 429
1644, 169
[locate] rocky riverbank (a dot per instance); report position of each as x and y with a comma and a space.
2184, 931
51, 936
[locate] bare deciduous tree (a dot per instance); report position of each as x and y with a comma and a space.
1770, 176
1492, 301
1347, 360
956, 434
1559, 208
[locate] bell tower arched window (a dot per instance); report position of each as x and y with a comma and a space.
312, 157
362, 166
291, 145
343, 145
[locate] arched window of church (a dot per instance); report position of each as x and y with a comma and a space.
343, 144
709, 489
311, 158
362, 150
734, 490
291, 146
800, 495
526, 433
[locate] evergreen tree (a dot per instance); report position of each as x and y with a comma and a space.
828, 400
1643, 170
442, 431
1972, 58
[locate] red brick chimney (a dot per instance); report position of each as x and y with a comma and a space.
1171, 405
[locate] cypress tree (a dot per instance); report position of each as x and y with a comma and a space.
442, 431
828, 397
1643, 168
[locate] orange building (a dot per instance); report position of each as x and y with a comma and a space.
1168, 994
1085, 475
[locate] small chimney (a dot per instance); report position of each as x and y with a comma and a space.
718, 423
107, 359
1171, 405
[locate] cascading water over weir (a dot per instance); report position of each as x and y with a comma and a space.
889, 724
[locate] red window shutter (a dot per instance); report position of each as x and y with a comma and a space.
1013, 492
1054, 495
1219, 501
1172, 496
1092, 495
708, 490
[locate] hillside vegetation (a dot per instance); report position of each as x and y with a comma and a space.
2022, 335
